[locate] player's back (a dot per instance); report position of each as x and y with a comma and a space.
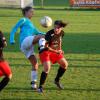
26, 29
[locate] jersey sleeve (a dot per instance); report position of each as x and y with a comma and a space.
15, 28
48, 36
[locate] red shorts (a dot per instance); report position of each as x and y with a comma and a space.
50, 56
4, 69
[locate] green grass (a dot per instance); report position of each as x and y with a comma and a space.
82, 50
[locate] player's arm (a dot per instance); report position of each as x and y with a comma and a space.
14, 30
60, 44
52, 50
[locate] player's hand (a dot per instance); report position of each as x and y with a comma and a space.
12, 43
62, 52
59, 51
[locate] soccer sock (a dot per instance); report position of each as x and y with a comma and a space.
42, 43
60, 73
4, 82
33, 76
42, 78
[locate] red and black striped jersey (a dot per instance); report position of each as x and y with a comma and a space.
54, 40
2, 41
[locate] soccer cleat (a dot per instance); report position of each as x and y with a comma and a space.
34, 85
40, 90
59, 85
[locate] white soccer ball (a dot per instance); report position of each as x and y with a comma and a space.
46, 21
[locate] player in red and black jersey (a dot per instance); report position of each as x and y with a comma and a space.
4, 67
52, 52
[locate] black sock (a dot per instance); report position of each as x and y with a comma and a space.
42, 79
4, 82
59, 74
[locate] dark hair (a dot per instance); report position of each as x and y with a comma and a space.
26, 9
60, 23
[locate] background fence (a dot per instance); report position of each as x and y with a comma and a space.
51, 3
57, 4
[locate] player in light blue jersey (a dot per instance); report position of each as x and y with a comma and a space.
29, 35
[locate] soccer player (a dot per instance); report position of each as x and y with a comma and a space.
52, 52
29, 36
4, 67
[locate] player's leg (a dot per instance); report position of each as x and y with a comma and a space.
1, 73
33, 61
6, 72
44, 74
5, 81
28, 49
62, 68
45, 60
40, 39
41, 43
37, 38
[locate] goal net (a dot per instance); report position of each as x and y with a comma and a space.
15, 3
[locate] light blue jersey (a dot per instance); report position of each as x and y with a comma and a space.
26, 29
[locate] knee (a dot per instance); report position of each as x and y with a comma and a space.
47, 67
64, 64
10, 76
47, 70
35, 67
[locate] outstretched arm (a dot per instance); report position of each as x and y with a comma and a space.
14, 30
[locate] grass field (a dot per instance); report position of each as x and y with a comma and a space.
82, 50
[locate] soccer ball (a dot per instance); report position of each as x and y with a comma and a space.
46, 21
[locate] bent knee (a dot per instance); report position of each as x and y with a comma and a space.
64, 64
10, 76
47, 70
35, 67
